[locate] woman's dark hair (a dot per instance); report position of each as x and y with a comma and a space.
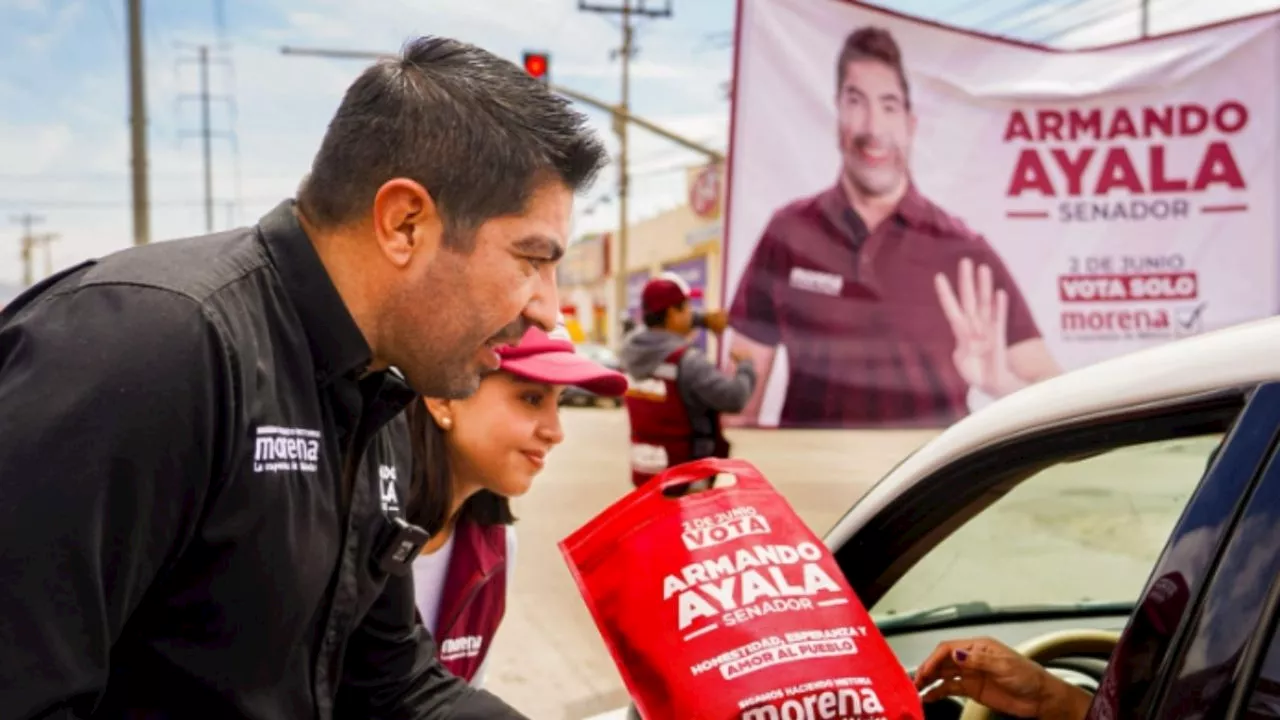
430, 490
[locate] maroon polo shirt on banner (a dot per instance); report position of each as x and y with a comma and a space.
474, 597
867, 340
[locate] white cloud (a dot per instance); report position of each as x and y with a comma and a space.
64, 17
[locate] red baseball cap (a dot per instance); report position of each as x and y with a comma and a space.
550, 358
665, 291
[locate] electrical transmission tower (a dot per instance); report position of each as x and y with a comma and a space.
206, 98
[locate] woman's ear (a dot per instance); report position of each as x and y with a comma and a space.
441, 411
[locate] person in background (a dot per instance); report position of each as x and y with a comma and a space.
677, 394
469, 458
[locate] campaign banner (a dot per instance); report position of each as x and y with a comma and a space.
921, 219
694, 272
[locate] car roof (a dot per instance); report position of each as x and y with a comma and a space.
1236, 356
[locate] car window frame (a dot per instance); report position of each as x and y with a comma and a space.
1236, 677
1216, 505
881, 552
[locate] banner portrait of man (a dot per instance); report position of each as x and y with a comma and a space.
923, 219
871, 277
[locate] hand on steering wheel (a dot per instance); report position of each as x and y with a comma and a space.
990, 673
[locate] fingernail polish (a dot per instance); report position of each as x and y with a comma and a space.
961, 656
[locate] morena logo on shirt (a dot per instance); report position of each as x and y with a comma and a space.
283, 449
461, 647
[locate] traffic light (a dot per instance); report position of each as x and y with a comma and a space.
538, 64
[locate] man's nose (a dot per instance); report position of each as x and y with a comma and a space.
876, 123
544, 307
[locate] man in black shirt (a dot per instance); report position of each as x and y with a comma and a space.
202, 463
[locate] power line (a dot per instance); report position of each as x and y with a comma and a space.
1023, 23
982, 5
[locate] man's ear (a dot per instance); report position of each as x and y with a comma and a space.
406, 221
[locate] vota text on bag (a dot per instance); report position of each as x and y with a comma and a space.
704, 532
748, 583
1079, 153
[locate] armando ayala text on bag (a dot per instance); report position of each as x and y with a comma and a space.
739, 585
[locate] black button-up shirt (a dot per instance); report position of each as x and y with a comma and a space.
194, 468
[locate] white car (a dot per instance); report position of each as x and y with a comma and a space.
1141, 488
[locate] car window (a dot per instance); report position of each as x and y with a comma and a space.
1077, 533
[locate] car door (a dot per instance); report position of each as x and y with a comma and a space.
1203, 642
1224, 438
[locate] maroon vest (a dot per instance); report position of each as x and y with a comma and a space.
662, 432
474, 597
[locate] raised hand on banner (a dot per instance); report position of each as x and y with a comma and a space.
979, 317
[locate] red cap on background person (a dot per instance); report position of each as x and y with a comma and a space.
666, 291
551, 358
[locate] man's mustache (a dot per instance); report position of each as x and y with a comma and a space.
861, 142
512, 333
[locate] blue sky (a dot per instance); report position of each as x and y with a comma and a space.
64, 135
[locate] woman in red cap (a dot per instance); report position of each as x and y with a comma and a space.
469, 458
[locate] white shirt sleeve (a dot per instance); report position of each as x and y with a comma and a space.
478, 679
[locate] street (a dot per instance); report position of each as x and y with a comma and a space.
548, 659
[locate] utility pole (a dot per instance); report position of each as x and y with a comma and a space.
138, 126
29, 242
627, 10
27, 221
206, 131
1145, 10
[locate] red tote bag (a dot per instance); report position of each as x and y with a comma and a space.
722, 604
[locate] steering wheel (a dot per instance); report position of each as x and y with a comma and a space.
1049, 647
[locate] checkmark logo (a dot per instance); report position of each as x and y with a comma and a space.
1190, 320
